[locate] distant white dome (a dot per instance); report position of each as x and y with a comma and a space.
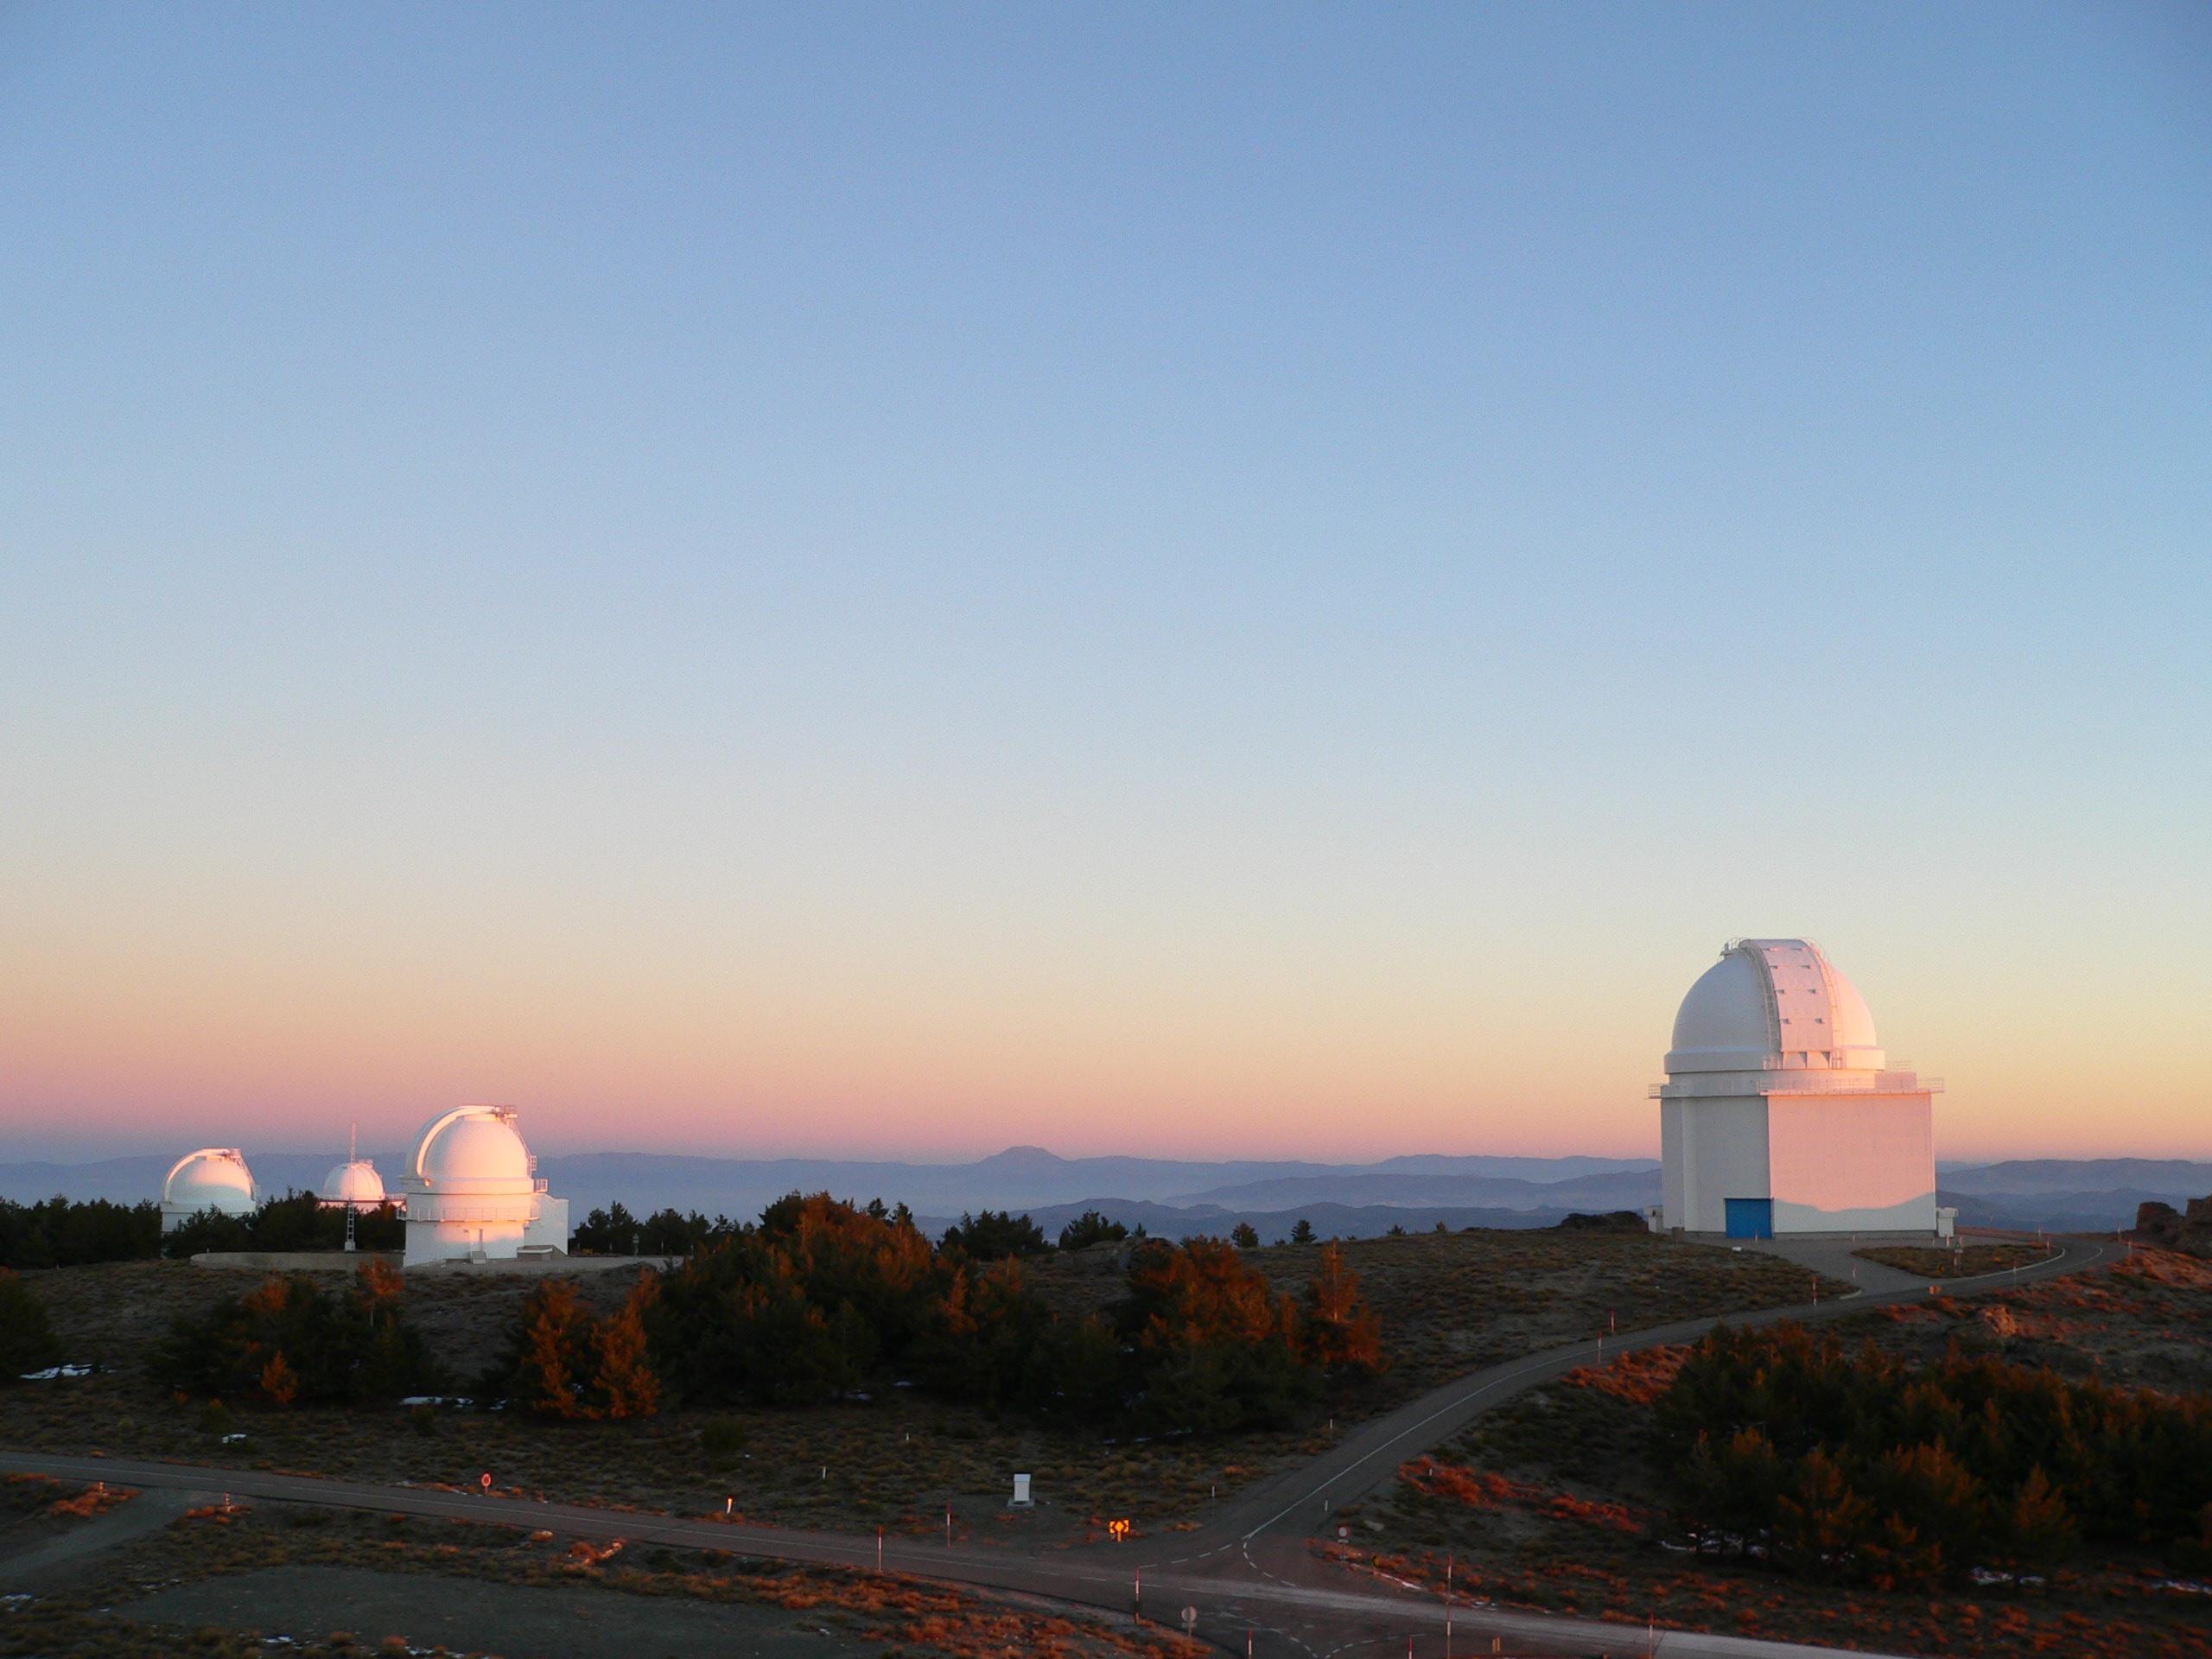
1769, 1003
356, 1183
472, 1149
214, 1178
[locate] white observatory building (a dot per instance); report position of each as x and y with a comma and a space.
213, 1178
472, 1193
1780, 1114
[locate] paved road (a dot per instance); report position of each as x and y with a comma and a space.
149, 1512
1249, 1574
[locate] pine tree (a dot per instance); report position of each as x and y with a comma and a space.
623, 1383
279, 1380
570, 1363
27, 1338
554, 1328
1340, 1333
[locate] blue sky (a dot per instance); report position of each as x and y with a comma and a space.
1145, 580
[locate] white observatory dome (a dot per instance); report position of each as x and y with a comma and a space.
473, 1149
1768, 1004
471, 1192
357, 1185
214, 1178
1780, 1113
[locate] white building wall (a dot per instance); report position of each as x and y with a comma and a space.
551, 1225
1673, 1199
1852, 1163
1724, 1156
442, 1228
451, 1239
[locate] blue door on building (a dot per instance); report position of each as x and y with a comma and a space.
1750, 1218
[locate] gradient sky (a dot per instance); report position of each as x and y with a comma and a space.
1186, 579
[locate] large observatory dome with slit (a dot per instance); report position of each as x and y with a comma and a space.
472, 1192
477, 1147
1774, 1003
213, 1178
1781, 1112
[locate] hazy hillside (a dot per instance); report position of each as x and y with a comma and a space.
1019, 1178
2057, 1212
1329, 1220
2152, 1176
1624, 1189
1181, 1196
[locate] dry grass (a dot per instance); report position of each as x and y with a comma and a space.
1450, 1303
2105, 1615
1454, 1302
1549, 1501
48, 1629
925, 1620
895, 1464
2146, 1322
1930, 1261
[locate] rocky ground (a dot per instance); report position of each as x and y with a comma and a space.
1549, 1502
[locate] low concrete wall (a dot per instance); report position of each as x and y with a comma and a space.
342, 1261
544, 1266
294, 1261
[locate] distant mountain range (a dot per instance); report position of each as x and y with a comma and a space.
1173, 1196
2156, 1177
1629, 1189
1021, 1177
1329, 1220
2067, 1195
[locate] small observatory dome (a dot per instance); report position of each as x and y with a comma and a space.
1773, 1003
356, 1185
213, 1178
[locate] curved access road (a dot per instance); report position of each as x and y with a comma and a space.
1248, 1577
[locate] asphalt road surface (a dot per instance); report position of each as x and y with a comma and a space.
1251, 1576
